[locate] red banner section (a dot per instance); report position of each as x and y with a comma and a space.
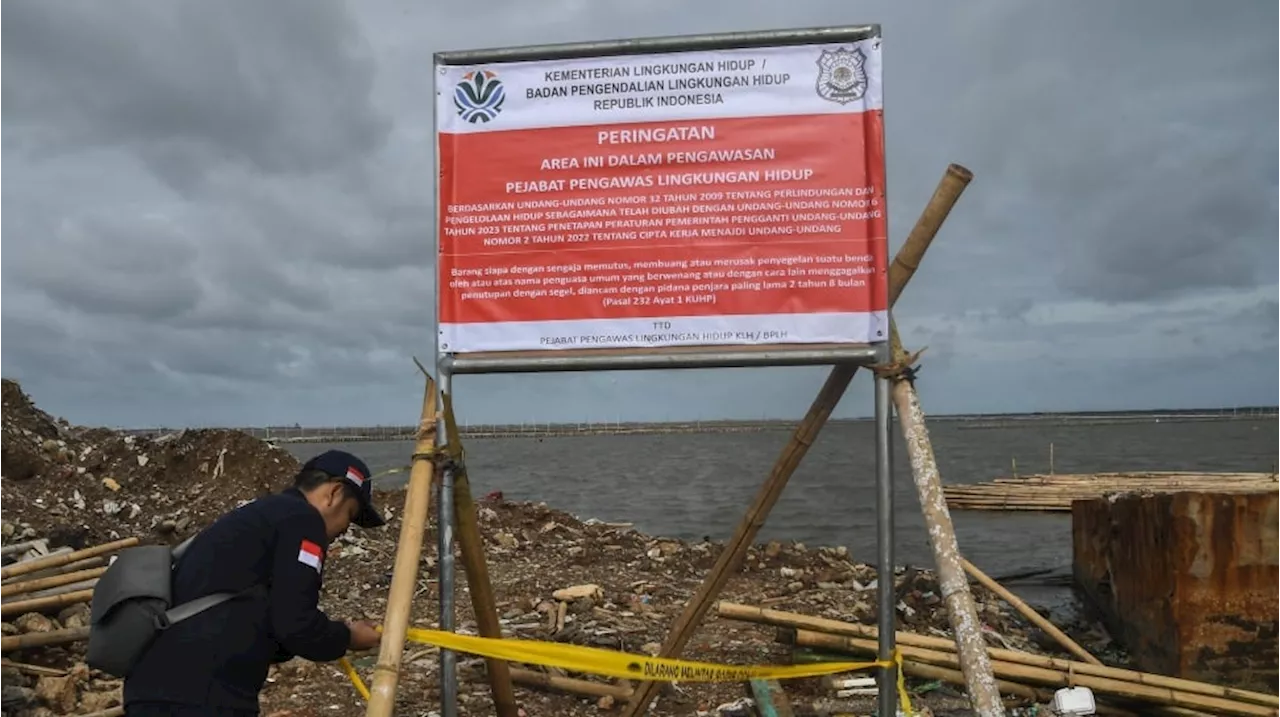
553, 224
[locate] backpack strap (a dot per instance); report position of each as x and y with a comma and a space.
191, 608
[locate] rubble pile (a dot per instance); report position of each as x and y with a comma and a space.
555, 577
91, 485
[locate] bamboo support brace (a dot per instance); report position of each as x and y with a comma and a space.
963, 615
903, 267
405, 571
471, 546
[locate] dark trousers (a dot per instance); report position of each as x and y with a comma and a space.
172, 709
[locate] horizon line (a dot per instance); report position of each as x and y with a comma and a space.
1260, 411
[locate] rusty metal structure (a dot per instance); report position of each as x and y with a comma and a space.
1186, 581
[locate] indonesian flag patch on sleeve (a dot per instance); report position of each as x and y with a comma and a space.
310, 554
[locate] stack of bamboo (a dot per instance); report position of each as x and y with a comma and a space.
50, 582
1056, 492
1020, 674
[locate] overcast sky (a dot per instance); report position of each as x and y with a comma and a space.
221, 212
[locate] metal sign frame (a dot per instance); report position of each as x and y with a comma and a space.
450, 364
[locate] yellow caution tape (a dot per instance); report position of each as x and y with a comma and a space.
355, 677
627, 666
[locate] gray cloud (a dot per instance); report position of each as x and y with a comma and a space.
281, 86
223, 212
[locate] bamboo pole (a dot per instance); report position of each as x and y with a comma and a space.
19, 607
1048, 677
43, 639
53, 561
30, 669
963, 615
60, 550
568, 684
63, 551
80, 565
904, 266
49, 582
955, 677
22, 547
796, 621
1036, 618
1042, 696
404, 576
1057, 492
63, 589
60, 570
471, 547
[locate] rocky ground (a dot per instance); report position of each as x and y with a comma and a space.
78, 486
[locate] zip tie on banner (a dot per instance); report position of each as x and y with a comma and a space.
627, 666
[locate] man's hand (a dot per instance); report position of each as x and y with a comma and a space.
364, 636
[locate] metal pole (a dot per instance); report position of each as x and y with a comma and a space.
444, 533
888, 695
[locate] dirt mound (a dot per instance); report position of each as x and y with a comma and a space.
75, 486
29, 434
100, 484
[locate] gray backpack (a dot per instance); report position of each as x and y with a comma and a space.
133, 602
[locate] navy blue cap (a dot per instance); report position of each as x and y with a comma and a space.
341, 464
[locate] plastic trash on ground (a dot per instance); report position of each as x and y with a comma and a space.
1074, 701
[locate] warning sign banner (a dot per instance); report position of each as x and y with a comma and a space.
729, 197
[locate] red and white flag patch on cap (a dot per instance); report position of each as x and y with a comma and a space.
355, 476
310, 554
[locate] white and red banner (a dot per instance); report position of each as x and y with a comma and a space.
729, 197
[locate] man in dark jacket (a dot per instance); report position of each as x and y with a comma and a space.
216, 662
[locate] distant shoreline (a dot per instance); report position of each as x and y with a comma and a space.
353, 434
